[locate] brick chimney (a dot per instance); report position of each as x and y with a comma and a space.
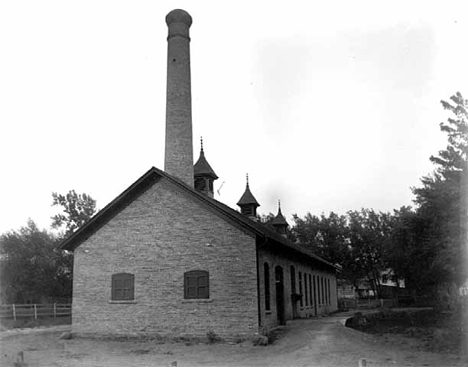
178, 160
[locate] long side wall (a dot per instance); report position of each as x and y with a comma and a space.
316, 305
158, 237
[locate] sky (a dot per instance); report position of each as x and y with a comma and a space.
327, 105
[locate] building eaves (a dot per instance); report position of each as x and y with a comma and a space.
145, 182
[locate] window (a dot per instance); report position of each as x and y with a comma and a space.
306, 290
200, 183
293, 280
300, 287
310, 291
315, 291
196, 284
326, 291
323, 290
123, 285
319, 298
266, 274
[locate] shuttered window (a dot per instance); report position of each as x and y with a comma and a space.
306, 290
310, 291
196, 284
123, 287
266, 274
300, 288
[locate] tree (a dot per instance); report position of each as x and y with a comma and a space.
369, 235
442, 201
77, 209
31, 267
327, 237
355, 241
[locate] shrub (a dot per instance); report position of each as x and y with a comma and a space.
212, 337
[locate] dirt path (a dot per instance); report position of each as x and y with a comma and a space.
320, 342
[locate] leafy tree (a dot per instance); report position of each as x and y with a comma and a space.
369, 234
328, 237
442, 201
77, 209
266, 219
354, 241
31, 268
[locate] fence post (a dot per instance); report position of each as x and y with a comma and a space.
14, 312
55, 310
35, 312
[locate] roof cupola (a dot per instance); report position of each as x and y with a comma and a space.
247, 203
204, 175
279, 222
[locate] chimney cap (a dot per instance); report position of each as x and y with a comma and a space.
179, 16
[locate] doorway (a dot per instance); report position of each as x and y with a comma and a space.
294, 298
279, 285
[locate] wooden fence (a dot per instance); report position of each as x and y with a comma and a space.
347, 303
15, 311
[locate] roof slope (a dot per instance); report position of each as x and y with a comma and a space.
145, 182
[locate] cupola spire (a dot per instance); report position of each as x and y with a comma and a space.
204, 175
279, 222
247, 203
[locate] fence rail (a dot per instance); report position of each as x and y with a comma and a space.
15, 311
346, 303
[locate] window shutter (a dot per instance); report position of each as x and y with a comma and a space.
196, 284
123, 285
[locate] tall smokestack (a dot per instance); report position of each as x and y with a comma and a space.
179, 151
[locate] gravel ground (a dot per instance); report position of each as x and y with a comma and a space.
323, 342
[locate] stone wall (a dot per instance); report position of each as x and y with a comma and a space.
159, 236
314, 308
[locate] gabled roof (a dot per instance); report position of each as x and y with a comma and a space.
145, 182
203, 168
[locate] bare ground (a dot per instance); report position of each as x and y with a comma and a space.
321, 342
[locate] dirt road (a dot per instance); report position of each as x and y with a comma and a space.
320, 342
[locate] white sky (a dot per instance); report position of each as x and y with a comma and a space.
328, 105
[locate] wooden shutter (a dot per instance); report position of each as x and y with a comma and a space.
196, 284
123, 285
266, 276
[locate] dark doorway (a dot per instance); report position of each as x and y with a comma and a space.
315, 297
279, 283
294, 298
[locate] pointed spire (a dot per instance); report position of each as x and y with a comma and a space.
247, 203
204, 174
248, 198
279, 222
202, 167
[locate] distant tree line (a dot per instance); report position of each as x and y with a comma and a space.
425, 245
32, 267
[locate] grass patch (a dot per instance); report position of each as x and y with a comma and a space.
438, 331
29, 322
